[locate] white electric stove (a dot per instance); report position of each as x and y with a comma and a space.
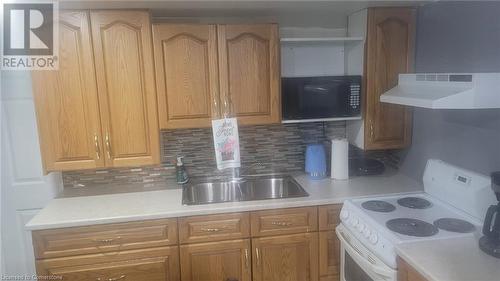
453, 204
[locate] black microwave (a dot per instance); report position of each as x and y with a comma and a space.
325, 97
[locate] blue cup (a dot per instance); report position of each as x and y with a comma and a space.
316, 161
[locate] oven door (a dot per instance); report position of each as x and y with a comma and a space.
357, 263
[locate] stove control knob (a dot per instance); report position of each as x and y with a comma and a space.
354, 222
360, 227
373, 238
344, 214
367, 233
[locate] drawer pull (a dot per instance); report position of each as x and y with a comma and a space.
281, 223
112, 279
213, 229
108, 240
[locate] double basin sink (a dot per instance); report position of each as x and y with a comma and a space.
248, 188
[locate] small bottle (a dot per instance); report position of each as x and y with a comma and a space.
181, 173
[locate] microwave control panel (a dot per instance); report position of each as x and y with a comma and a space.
354, 97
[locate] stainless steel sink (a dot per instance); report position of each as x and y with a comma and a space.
248, 188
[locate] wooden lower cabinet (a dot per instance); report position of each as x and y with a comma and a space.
158, 264
278, 245
286, 258
217, 261
329, 255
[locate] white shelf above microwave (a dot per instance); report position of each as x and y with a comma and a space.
321, 120
338, 40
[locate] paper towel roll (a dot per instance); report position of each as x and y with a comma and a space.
340, 159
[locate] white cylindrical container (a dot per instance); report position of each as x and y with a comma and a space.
340, 159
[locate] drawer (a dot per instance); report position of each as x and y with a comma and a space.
284, 221
157, 264
104, 238
214, 227
329, 216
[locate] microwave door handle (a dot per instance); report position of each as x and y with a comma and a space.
376, 269
317, 89
488, 221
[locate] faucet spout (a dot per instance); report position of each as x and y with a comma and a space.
235, 174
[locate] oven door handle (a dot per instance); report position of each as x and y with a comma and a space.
353, 251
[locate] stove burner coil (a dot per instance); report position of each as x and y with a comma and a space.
378, 206
412, 227
414, 203
454, 225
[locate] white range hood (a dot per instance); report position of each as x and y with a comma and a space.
446, 90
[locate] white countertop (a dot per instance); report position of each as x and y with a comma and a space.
123, 207
454, 259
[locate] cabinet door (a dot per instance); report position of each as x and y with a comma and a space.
390, 51
155, 264
290, 257
186, 74
216, 261
329, 254
249, 72
66, 101
125, 79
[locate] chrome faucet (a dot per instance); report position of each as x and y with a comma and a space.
236, 172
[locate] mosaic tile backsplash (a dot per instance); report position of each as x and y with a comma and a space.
264, 149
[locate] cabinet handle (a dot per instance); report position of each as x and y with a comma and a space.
281, 223
97, 150
246, 259
123, 276
225, 110
215, 111
108, 146
108, 240
257, 256
371, 129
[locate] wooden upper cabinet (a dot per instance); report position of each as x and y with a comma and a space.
290, 257
186, 74
249, 72
389, 51
66, 101
125, 80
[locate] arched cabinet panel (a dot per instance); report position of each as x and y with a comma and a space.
125, 80
67, 103
249, 72
186, 74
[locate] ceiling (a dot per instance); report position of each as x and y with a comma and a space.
332, 13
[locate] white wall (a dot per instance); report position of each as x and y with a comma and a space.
24, 188
457, 37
